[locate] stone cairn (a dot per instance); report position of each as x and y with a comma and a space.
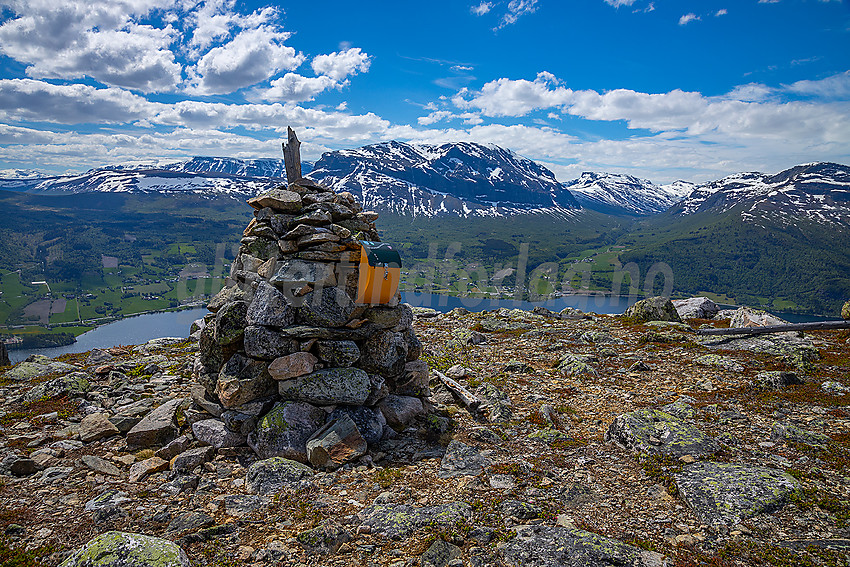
289, 363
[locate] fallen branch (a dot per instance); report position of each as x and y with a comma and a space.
466, 397
815, 326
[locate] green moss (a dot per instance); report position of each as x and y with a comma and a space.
387, 477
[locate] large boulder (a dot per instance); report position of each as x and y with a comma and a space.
696, 308
74, 384
656, 432
725, 494
122, 549
326, 307
653, 309
270, 307
37, 366
384, 353
749, 317
284, 431
265, 343
554, 546
156, 428
272, 475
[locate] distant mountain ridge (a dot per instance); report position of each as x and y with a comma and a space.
625, 194
462, 179
818, 192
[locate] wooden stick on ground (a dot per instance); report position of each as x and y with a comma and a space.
466, 397
815, 326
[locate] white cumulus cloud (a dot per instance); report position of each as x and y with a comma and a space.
296, 88
340, 64
688, 18
251, 57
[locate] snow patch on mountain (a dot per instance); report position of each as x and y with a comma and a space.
619, 193
461, 179
818, 192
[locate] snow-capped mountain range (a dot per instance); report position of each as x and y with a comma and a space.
463, 179
818, 192
618, 193
470, 180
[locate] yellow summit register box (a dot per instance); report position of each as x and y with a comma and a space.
380, 271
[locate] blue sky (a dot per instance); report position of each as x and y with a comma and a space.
664, 90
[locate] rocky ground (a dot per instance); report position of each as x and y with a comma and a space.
599, 441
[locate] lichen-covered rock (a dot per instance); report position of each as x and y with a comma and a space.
384, 353
399, 521
270, 307
338, 353
37, 366
326, 307
73, 385
774, 379
721, 493
653, 309
265, 343
497, 404
329, 386
325, 538
439, 554
554, 546
283, 432
781, 432
575, 365
122, 549
272, 475
655, 432
696, 308
845, 311
336, 443
716, 361
230, 323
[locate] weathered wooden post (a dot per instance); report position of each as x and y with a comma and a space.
292, 156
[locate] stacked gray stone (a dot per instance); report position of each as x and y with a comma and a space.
289, 363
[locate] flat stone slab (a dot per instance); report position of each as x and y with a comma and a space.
329, 386
399, 521
721, 493
157, 428
655, 432
553, 546
461, 459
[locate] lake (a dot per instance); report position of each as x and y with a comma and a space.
129, 331
142, 328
